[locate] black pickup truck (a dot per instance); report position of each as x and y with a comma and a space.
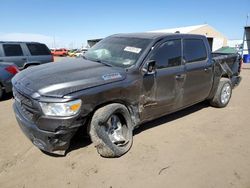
122, 82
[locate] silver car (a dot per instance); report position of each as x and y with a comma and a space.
25, 54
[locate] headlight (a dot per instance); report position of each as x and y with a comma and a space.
61, 109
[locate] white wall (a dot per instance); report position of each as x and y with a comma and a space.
217, 43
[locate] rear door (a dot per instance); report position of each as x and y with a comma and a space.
163, 91
198, 66
14, 53
39, 53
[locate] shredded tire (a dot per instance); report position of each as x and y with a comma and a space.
216, 100
105, 147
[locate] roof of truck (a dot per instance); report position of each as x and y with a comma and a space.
149, 35
19, 42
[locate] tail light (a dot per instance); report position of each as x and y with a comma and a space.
12, 69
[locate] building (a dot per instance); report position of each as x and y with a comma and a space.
235, 43
215, 38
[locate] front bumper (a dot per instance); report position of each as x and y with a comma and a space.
53, 142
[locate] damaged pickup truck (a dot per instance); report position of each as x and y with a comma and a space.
122, 82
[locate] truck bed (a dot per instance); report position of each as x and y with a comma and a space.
232, 60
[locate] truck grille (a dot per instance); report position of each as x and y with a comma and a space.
21, 98
25, 105
27, 113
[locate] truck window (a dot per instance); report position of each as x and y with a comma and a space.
12, 50
194, 50
38, 49
168, 54
118, 51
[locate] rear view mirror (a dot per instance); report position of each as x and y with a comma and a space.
149, 67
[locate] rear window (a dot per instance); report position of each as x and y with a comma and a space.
38, 49
12, 50
194, 50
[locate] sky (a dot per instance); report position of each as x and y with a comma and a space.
69, 23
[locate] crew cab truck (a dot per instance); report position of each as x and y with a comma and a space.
120, 83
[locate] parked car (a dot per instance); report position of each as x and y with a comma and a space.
7, 72
80, 53
59, 52
71, 53
25, 54
122, 82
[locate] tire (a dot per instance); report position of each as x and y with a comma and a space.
111, 130
223, 94
1, 92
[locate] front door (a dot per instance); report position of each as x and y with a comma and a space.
162, 91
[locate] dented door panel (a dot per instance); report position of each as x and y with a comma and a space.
162, 92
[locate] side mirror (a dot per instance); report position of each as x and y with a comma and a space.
149, 67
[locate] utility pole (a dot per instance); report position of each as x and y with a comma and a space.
247, 19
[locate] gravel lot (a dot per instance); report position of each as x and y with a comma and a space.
198, 147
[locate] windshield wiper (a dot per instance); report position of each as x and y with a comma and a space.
100, 61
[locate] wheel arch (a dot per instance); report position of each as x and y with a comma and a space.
132, 109
221, 70
216, 101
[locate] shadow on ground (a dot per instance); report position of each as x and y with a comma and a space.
7, 96
171, 117
80, 140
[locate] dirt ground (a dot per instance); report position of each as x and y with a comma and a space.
198, 147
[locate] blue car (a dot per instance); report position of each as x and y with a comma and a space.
7, 72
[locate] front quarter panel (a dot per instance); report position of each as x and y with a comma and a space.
126, 92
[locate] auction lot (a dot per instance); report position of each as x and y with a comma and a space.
198, 147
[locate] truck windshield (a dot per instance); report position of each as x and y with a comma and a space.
118, 51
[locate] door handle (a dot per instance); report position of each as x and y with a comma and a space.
180, 77
1, 60
24, 59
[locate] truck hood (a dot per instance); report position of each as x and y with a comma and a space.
59, 79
